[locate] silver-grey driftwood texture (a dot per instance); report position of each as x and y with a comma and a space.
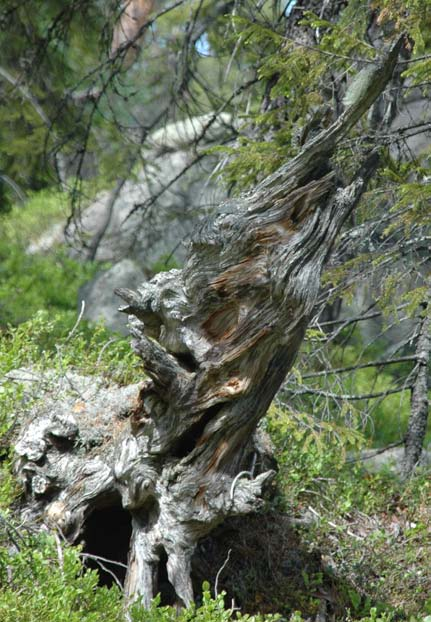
217, 339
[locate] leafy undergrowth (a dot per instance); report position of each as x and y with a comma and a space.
345, 564
58, 342
42, 580
269, 566
371, 530
30, 281
268, 569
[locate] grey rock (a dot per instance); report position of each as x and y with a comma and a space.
395, 328
414, 112
160, 229
180, 135
98, 294
391, 459
174, 195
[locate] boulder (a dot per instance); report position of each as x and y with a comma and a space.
159, 230
182, 134
150, 216
415, 111
390, 459
98, 294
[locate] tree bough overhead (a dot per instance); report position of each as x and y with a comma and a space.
217, 339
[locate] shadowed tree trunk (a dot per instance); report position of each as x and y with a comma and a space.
217, 340
129, 31
418, 418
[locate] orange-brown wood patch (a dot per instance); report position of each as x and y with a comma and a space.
222, 323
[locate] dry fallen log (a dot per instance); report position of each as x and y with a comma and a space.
217, 339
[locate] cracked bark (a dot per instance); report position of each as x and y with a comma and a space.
217, 339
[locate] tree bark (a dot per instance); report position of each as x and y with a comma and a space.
129, 29
217, 340
419, 404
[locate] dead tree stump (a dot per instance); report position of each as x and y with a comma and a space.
217, 339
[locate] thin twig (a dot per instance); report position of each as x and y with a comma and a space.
346, 397
72, 332
225, 563
12, 184
59, 552
98, 561
102, 350
103, 559
237, 477
340, 370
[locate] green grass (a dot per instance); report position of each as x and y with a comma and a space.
30, 282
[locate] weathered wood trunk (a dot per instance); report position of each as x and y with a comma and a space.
217, 339
418, 419
129, 30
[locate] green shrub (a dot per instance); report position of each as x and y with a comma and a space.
48, 342
45, 581
30, 282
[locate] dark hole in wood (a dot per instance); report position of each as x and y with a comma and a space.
107, 534
61, 443
187, 441
187, 360
164, 587
148, 515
